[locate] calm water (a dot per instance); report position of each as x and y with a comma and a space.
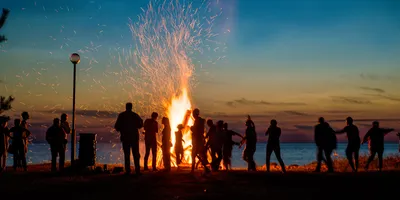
292, 153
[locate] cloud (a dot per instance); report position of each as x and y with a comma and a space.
247, 102
350, 100
373, 89
376, 77
291, 112
388, 97
304, 127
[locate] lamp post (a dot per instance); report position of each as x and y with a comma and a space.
75, 59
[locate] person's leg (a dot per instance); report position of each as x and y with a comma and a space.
53, 158
23, 159
251, 159
356, 157
349, 156
62, 158
136, 156
146, 155
219, 160
154, 155
380, 158
329, 162
127, 156
268, 158
194, 155
277, 151
319, 159
370, 159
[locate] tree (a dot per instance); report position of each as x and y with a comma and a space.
5, 104
3, 18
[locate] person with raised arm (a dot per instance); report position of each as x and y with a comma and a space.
354, 142
376, 135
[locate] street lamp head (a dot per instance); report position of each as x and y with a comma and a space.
75, 58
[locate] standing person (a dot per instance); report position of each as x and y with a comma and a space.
25, 117
325, 140
150, 139
273, 145
178, 144
353, 145
376, 136
198, 148
128, 124
215, 143
166, 144
18, 137
65, 125
4, 135
251, 141
228, 146
55, 136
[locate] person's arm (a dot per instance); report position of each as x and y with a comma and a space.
48, 136
117, 125
140, 122
367, 135
341, 131
66, 128
267, 132
237, 134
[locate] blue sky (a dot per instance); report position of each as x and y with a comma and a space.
287, 56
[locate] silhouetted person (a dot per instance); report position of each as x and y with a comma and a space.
325, 140
24, 123
4, 135
55, 136
166, 143
150, 139
198, 141
251, 141
18, 137
65, 126
354, 141
178, 144
128, 123
228, 146
376, 136
273, 145
3, 18
215, 142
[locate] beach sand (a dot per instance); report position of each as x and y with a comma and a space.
39, 183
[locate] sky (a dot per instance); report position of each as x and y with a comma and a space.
291, 60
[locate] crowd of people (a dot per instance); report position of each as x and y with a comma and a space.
218, 141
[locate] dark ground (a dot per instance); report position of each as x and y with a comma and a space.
182, 185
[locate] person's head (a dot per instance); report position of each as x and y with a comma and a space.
154, 115
196, 113
349, 120
220, 124
165, 121
25, 115
274, 122
321, 120
64, 117
226, 126
56, 122
375, 124
128, 106
4, 121
180, 127
210, 122
17, 122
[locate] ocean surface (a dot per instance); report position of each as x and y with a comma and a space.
292, 153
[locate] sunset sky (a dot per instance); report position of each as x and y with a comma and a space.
292, 60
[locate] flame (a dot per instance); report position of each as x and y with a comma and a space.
177, 113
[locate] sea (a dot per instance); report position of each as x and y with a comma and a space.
292, 153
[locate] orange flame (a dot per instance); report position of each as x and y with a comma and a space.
177, 112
